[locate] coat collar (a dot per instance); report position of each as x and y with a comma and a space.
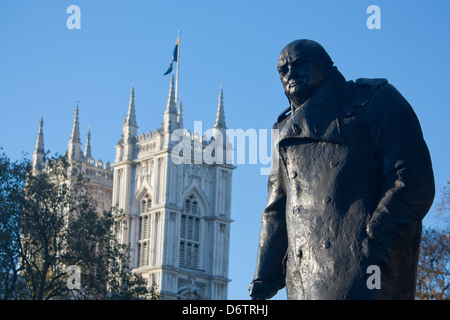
317, 118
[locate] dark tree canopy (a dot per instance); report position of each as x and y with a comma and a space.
48, 222
433, 278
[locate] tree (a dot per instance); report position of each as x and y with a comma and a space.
12, 177
434, 266
48, 223
433, 279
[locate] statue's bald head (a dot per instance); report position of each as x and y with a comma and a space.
303, 66
308, 50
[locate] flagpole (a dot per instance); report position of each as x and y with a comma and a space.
178, 68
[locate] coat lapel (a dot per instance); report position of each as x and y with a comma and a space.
317, 119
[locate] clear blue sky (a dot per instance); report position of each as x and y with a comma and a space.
45, 68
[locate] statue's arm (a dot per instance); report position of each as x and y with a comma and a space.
407, 187
269, 273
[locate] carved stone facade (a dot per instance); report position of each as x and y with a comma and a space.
177, 215
99, 175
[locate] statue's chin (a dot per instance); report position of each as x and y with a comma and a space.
298, 95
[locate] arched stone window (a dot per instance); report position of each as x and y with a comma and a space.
142, 246
146, 204
190, 234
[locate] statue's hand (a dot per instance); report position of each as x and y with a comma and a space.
380, 228
382, 233
262, 289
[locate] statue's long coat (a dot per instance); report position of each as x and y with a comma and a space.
353, 183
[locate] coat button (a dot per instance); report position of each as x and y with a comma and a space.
293, 174
316, 131
299, 253
296, 128
327, 244
333, 164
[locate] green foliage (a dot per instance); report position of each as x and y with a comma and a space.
12, 177
49, 222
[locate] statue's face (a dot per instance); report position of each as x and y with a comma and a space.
300, 73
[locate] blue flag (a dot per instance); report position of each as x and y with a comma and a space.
174, 57
170, 68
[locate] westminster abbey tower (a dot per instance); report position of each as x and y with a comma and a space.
177, 215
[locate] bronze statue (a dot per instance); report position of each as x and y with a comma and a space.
353, 184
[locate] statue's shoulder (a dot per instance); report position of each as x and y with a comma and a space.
282, 117
378, 87
373, 83
364, 89
380, 98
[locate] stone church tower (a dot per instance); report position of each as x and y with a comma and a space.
100, 175
177, 215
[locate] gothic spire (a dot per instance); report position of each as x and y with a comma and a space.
219, 133
75, 136
87, 148
40, 138
74, 146
170, 114
220, 116
131, 116
129, 130
38, 154
171, 106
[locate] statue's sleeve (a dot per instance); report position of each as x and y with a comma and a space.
273, 236
407, 187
